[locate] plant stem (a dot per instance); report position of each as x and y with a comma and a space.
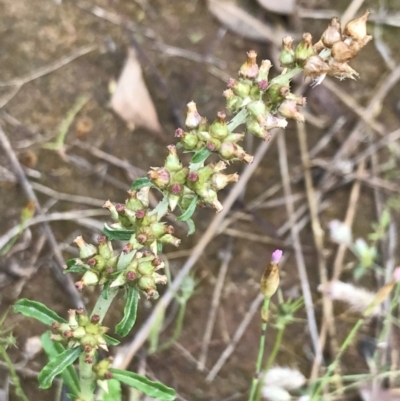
331, 367
86, 379
178, 328
278, 342
256, 378
103, 304
14, 377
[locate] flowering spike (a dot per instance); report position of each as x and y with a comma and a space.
270, 278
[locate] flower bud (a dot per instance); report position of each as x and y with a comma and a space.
250, 68
146, 283
159, 176
229, 151
146, 268
192, 117
277, 92
272, 121
240, 88
255, 128
160, 278
289, 109
304, 49
219, 128
263, 85
170, 239
332, 34
112, 209
85, 250
133, 203
179, 178
286, 57
342, 52
264, 71
257, 108
172, 162
234, 137
88, 279
357, 28
213, 144
233, 102
189, 140
220, 181
270, 278
105, 249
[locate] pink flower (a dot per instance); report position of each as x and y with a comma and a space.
276, 256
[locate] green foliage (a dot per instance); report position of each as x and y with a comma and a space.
69, 375
130, 311
57, 365
152, 389
37, 311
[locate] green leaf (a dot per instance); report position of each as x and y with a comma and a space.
57, 365
72, 267
105, 290
114, 391
130, 311
162, 208
159, 247
191, 226
118, 234
110, 340
124, 260
200, 156
38, 311
188, 213
69, 375
141, 183
143, 384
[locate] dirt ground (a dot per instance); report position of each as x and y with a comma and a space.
38, 33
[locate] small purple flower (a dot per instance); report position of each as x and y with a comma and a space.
276, 256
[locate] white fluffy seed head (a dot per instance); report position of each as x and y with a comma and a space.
275, 393
284, 377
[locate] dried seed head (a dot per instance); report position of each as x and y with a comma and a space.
332, 34
342, 52
315, 67
357, 28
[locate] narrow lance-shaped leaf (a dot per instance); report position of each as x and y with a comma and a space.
200, 155
38, 311
57, 365
152, 389
191, 226
111, 340
130, 312
114, 391
69, 375
118, 234
141, 183
188, 213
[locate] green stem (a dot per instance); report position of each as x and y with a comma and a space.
178, 328
331, 367
103, 304
14, 377
278, 342
86, 379
256, 378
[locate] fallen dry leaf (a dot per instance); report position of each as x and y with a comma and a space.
278, 6
131, 99
241, 22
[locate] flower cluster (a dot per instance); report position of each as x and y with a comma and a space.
81, 331
135, 269
181, 184
335, 48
